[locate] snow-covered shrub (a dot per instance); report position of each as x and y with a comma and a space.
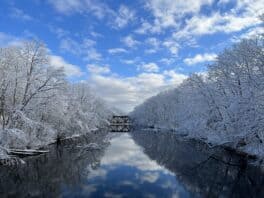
13, 138
224, 105
37, 133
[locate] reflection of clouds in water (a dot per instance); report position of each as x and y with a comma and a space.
150, 195
167, 184
176, 195
100, 172
125, 170
150, 177
128, 183
88, 189
125, 151
113, 195
84, 190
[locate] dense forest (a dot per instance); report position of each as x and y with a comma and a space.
38, 104
224, 105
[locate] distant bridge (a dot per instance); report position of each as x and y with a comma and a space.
120, 124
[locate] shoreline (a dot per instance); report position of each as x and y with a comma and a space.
11, 160
257, 159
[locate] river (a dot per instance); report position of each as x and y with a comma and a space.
137, 164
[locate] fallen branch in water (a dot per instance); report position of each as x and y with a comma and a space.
26, 152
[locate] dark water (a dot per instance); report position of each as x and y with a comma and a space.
139, 164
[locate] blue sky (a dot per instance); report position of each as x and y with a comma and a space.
130, 50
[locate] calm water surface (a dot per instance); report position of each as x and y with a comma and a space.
139, 164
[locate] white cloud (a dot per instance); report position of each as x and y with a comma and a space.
116, 19
167, 61
200, 25
167, 13
86, 48
251, 33
115, 91
69, 69
89, 50
154, 44
123, 17
87, 43
129, 41
200, 58
221, 2
69, 45
172, 46
96, 34
171, 15
150, 67
59, 32
9, 40
150, 51
126, 92
244, 15
129, 61
95, 69
174, 77
92, 54
20, 14
153, 41
117, 50
145, 27
170, 8
67, 7
224, 23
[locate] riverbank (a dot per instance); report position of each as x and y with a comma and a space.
210, 172
10, 156
247, 147
46, 175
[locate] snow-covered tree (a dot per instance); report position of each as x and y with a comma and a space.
224, 105
38, 104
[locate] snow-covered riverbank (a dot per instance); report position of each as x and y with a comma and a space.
222, 106
10, 156
249, 147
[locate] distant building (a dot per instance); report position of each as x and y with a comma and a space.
120, 124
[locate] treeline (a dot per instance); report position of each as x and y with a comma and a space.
38, 104
225, 104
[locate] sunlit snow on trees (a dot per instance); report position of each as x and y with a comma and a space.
225, 104
37, 104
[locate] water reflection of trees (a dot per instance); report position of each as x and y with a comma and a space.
211, 173
45, 176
